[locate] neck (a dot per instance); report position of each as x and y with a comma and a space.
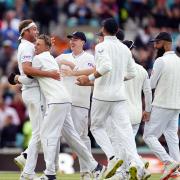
168, 47
77, 52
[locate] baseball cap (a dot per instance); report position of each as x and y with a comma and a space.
77, 35
129, 44
162, 36
120, 35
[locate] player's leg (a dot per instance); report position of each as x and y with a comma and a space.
154, 128
125, 137
100, 110
171, 135
32, 98
80, 120
135, 129
50, 134
72, 137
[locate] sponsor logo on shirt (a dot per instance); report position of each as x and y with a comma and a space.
26, 57
101, 51
90, 65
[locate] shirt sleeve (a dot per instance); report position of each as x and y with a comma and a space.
147, 93
103, 61
27, 55
156, 72
131, 70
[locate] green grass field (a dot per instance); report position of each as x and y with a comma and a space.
15, 176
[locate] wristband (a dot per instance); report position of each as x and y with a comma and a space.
91, 77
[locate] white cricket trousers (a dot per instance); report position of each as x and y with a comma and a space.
163, 121
80, 119
75, 142
135, 128
33, 100
120, 132
50, 133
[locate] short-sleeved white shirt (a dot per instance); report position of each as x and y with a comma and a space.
80, 94
53, 90
26, 53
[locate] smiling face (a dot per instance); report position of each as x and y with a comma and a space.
76, 44
40, 46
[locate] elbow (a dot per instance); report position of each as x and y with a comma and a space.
27, 71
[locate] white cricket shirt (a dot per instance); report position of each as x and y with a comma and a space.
26, 53
113, 59
165, 79
134, 88
80, 94
53, 90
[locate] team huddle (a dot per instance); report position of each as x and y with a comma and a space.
57, 94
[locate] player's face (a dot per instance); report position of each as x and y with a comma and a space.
40, 46
76, 44
33, 33
159, 45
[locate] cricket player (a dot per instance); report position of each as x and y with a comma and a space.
109, 97
31, 94
166, 105
134, 88
80, 95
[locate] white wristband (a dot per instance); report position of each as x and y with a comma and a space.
91, 77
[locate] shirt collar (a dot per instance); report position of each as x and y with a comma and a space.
26, 41
169, 52
110, 38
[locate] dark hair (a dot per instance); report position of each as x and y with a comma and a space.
110, 26
24, 24
46, 39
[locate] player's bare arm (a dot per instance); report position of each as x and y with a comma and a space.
29, 70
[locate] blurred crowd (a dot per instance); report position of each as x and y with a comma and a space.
139, 19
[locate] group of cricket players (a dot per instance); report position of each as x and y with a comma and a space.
57, 93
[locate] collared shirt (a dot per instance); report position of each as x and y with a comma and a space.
113, 59
80, 94
26, 53
53, 90
165, 79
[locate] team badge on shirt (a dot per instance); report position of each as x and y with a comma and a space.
90, 65
101, 51
27, 57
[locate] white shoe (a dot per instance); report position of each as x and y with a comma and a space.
44, 177
85, 176
20, 161
119, 176
175, 175
25, 176
133, 172
112, 167
146, 175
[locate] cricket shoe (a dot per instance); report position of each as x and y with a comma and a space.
20, 161
85, 176
98, 172
25, 176
169, 169
112, 167
46, 177
120, 175
175, 175
133, 172
145, 175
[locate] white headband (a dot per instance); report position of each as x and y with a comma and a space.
25, 28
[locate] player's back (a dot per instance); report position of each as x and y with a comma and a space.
53, 90
110, 86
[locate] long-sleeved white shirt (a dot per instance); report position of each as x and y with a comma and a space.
165, 79
113, 59
53, 90
80, 94
26, 53
134, 88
